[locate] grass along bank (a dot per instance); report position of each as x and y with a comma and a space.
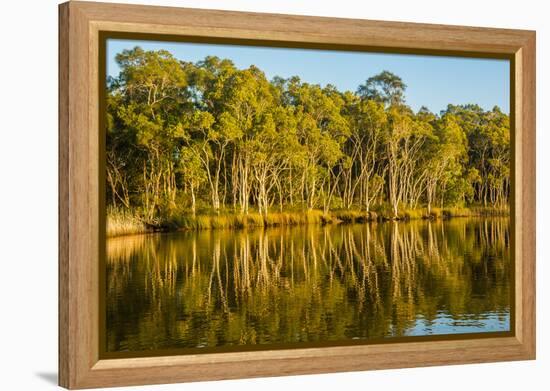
125, 222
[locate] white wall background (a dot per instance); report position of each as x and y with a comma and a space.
28, 193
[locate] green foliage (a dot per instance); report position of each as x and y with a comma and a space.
188, 138
385, 87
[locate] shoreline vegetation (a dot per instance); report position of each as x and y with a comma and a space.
206, 145
123, 222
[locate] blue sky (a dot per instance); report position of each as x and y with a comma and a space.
432, 81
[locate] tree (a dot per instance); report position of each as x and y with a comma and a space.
407, 136
445, 156
247, 97
152, 93
386, 88
272, 150
488, 135
321, 130
368, 131
193, 172
182, 134
209, 143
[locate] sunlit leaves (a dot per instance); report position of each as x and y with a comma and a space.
237, 138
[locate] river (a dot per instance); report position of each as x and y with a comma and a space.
307, 284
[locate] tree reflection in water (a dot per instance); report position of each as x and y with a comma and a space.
309, 283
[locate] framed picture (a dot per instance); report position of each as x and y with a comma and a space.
247, 195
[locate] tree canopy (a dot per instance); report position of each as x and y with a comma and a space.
184, 137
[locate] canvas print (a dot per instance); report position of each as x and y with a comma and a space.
268, 197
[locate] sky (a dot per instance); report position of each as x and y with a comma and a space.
432, 81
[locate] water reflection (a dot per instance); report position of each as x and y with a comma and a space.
304, 284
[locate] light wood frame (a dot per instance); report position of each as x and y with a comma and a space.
79, 240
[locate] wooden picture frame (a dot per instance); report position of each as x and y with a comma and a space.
80, 26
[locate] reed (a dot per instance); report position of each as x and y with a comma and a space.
412, 214
252, 220
124, 222
354, 216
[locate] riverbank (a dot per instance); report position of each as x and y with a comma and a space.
121, 223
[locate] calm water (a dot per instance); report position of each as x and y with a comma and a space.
305, 284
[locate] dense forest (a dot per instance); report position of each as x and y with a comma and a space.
186, 140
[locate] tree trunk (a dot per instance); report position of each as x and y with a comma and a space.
193, 201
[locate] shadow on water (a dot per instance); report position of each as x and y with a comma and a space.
307, 284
